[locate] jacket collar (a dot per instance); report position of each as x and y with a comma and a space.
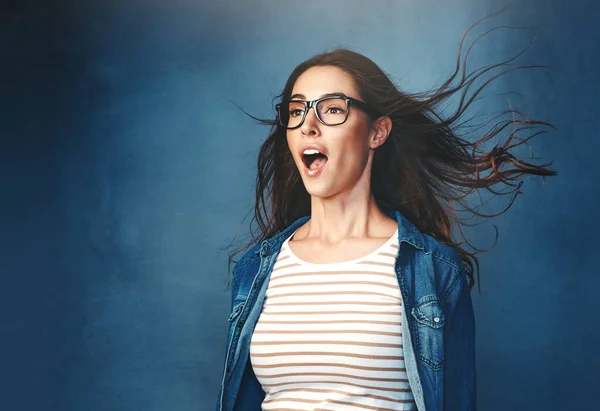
407, 232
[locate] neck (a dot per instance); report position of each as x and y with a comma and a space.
333, 220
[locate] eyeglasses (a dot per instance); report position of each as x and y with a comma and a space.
330, 110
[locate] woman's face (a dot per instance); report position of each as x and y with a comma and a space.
348, 162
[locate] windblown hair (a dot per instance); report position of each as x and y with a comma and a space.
426, 168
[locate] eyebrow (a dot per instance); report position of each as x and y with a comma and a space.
301, 96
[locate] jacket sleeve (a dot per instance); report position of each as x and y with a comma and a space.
460, 389
234, 292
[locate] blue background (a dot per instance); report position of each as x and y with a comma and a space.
125, 172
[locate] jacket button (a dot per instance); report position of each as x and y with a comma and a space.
405, 293
268, 249
240, 324
255, 286
436, 319
228, 369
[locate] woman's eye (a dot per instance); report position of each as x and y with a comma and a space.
296, 112
334, 110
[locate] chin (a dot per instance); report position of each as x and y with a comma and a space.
318, 190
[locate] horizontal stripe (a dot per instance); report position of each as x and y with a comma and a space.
366, 407
334, 354
329, 312
329, 382
361, 343
332, 401
317, 364
347, 393
338, 283
391, 334
283, 267
289, 322
326, 293
330, 374
376, 263
315, 303
333, 273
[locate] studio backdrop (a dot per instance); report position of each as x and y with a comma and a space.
128, 166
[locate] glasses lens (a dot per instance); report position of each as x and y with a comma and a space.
333, 111
294, 114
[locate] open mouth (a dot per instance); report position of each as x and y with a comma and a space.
314, 162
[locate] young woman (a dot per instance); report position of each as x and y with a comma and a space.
355, 295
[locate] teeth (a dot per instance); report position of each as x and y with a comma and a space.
311, 151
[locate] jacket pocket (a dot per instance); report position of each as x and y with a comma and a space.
429, 331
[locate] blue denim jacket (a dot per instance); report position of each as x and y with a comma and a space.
439, 353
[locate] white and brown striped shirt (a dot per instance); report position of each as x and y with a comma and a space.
329, 336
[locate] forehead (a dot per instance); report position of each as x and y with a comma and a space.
316, 81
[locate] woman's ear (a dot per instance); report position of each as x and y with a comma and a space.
380, 131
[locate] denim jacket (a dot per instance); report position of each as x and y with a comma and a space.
439, 352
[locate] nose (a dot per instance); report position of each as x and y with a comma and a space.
311, 122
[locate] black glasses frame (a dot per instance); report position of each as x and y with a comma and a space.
313, 104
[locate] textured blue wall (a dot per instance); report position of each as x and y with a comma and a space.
125, 170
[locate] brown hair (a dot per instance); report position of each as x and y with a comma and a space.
425, 169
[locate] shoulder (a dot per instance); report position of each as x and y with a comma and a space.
447, 265
444, 254
436, 262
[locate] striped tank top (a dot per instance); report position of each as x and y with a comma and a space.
329, 336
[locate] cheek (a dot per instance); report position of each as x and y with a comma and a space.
354, 158
353, 146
